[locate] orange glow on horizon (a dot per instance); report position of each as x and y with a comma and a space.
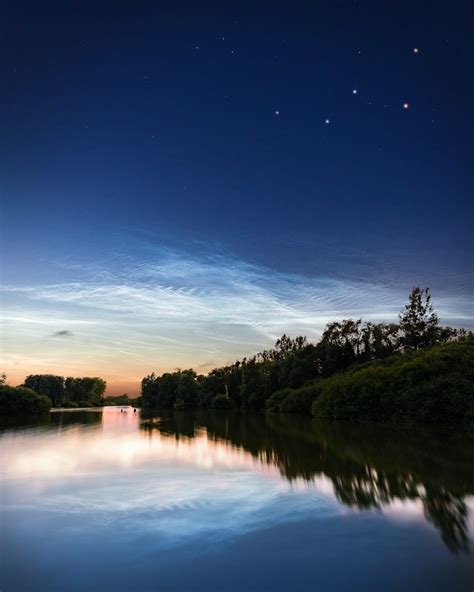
115, 384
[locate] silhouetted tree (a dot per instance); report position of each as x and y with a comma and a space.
22, 401
294, 363
162, 392
253, 389
85, 391
419, 323
339, 346
47, 384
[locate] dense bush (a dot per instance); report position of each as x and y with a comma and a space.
83, 404
70, 405
274, 402
300, 400
294, 400
22, 401
435, 385
223, 402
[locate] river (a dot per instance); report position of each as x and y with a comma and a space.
113, 499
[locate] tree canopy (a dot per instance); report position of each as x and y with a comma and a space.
80, 392
22, 401
295, 365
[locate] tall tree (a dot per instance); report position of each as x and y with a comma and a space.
419, 324
47, 384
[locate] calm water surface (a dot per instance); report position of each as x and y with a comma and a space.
104, 500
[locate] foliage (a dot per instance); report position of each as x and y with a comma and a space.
223, 402
161, 392
70, 405
227, 379
85, 392
22, 401
419, 323
273, 402
256, 383
254, 387
434, 385
47, 384
179, 405
300, 400
294, 400
119, 400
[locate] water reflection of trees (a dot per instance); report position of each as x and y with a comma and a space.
52, 420
369, 465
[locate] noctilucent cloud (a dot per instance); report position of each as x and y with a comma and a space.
182, 184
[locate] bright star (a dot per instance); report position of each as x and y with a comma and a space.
327, 121
406, 105
415, 50
277, 112
354, 92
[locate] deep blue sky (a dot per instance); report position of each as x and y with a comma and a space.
230, 132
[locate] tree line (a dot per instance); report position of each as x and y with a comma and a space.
53, 390
118, 400
270, 378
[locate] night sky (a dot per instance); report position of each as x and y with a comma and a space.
181, 183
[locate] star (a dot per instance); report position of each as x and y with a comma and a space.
277, 112
354, 92
327, 121
415, 50
406, 105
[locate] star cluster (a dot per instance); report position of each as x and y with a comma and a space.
397, 103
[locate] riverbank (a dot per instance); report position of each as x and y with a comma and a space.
61, 409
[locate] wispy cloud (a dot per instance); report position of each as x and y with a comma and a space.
169, 308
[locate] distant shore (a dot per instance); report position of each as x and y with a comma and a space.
58, 409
